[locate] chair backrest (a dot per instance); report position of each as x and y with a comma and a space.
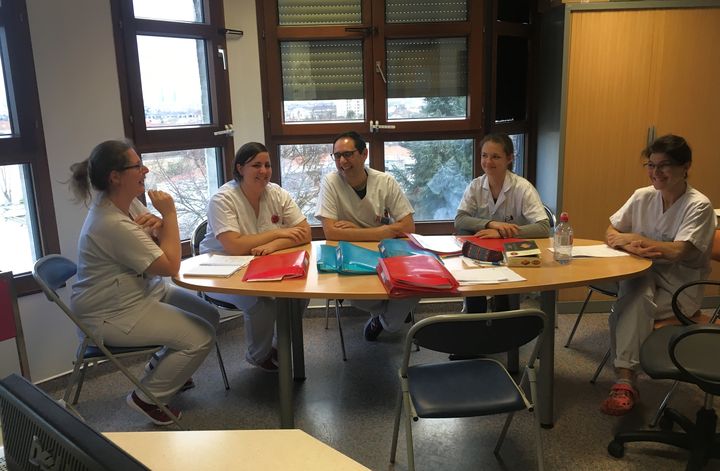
683, 317
694, 351
197, 236
551, 216
51, 272
470, 334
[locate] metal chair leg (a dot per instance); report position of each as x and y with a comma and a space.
600, 367
342, 338
222, 366
81, 381
663, 405
579, 316
327, 311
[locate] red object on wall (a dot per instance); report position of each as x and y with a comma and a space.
7, 316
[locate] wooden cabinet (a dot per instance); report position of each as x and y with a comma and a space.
628, 71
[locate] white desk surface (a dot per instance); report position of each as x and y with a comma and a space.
216, 450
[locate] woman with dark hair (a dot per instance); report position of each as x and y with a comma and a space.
123, 253
251, 215
673, 224
500, 204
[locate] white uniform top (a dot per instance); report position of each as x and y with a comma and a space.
690, 219
518, 202
383, 199
113, 254
229, 210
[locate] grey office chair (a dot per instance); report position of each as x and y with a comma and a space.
51, 272
468, 388
608, 289
688, 354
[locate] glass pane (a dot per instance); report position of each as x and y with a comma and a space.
424, 11
511, 79
302, 167
433, 174
174, 77
19, 238
319, 12
169, 10
5, 128
427, 78
322, 81
190, 177
518, 141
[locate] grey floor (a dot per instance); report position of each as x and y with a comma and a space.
350, 405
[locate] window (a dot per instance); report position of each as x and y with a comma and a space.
413, 68
176, 99
27, 218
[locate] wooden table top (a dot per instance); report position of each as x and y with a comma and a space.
551, 275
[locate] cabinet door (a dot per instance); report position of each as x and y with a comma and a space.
609, 88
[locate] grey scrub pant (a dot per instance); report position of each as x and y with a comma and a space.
181, 321
392, 312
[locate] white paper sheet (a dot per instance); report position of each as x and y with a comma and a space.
439, 244
478, 276
231, 260
598, 251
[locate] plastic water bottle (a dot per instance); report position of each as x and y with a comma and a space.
563, 240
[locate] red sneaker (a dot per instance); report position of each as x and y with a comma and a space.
151, 411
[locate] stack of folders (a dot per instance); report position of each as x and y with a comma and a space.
215, 265
347, 259
399, 247
278, 266
416, 275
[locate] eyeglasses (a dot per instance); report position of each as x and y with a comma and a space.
662, 166
346, 155
138, 166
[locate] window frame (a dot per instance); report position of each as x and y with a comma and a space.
126, 27
27, 143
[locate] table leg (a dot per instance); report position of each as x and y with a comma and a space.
284, 325
546, 375
298, 347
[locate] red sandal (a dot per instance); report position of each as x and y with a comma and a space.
621, 400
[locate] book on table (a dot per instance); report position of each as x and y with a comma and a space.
216, 265
486, 250
415, 275
522, 254
278, 266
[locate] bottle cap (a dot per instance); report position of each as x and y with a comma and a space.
564, 217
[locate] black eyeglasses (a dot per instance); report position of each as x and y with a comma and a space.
662, 166
346, 155
137, 166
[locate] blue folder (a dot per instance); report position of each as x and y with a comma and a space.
355, 260
400, 248
327, 261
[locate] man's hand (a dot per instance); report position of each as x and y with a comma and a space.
345, 225
488, 234
505, 229
643, 249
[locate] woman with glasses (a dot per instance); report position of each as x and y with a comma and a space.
673, 224
123, 253
252, 216
500, 204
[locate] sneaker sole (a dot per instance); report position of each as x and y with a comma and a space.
130, 402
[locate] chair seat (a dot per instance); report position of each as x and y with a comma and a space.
91, 351
480, 387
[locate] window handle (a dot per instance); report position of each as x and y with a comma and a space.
365, 30
222, 56
228, 131
378, 69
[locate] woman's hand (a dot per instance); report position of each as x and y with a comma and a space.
296, 234
162, 201
621, 239
265, 249
150, 223
643, 249
505, 229
345, 225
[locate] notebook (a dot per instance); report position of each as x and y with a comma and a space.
220, 271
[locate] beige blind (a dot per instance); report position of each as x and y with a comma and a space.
426, 67
318, 12
423, 11
322, 70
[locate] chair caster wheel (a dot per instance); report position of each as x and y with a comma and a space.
665, 424
616, 449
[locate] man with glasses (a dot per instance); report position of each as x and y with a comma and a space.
358, 203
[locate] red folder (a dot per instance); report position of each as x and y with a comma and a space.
277, 266
415, 275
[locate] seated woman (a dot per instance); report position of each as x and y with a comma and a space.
673, 224
500, 204
120, 292
251, 215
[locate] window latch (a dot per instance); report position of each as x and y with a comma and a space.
228, 131
378, 69
376, 126
223, 58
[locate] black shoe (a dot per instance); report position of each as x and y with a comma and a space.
373, 327
458, 356
409, 318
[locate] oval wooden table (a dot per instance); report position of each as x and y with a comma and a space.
548, 278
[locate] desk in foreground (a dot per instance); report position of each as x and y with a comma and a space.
232, 450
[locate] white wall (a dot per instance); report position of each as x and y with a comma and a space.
76, 70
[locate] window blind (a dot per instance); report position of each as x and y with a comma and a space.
322, 70
426, 67
318, 12
423, 11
